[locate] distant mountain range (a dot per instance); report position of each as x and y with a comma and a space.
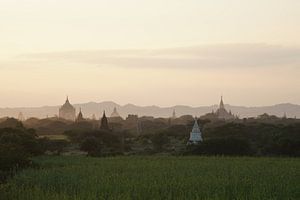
91, 108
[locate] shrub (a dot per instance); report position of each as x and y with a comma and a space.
55, 146
222, 146
17, 145
159, 140
92, 145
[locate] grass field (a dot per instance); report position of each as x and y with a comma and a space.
67, 177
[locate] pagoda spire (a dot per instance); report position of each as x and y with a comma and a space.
195, 135
174, 114
104, 122
67, 100
222, 103
80, 116
284, 115
115, 113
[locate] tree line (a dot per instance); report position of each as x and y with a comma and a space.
19, 144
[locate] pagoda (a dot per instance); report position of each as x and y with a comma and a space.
67, 111
222, 113
104, 122
21, 117
115, 113
79, 116
195, 135
174, 114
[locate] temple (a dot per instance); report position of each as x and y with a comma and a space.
21, 117
80, 117
104, 122
67, 111
174, 114
222, 113
195, 135
115, 113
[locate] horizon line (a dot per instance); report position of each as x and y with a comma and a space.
159, 106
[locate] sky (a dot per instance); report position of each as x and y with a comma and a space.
149, 52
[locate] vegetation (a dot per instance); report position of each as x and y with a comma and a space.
155, 177
264, 136
17, 145
222, 146
159, 140
97, 142
253, 139
67, 177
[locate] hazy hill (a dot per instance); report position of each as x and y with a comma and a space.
91, 108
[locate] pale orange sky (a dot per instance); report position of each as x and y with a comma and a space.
169, 51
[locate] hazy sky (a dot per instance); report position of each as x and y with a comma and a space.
146, 52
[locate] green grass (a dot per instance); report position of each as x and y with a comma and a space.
73, 178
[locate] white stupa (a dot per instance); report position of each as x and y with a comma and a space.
195, 135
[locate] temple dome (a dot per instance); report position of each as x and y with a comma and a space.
115, 113
67, 105
67, 111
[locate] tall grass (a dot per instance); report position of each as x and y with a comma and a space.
72, 178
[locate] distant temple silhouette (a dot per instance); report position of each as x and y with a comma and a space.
115, 113
21, 117
222, 113
104, 122
80, 117
174, 114
67, 111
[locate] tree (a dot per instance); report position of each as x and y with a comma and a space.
159, 140
223, 146
17, 145
92, 145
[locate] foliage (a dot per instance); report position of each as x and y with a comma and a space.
17, 145
11, 122
177, 131
262, 138
92, 145
219, 178
12, 156
25, 139
97, 142
150, 127
159, 140
222, 146
53, 145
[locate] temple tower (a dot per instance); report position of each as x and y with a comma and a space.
174, 114
222, 103
79, 116
115, 113
222, 113
67, 111
104, 122
195, 135
21, 117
